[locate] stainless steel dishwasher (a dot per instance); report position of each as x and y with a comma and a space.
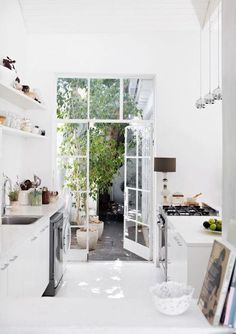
56, 267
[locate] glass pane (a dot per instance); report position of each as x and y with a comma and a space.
79, 220
72, 173
139, 213
131, 143
105, 98
132, 204
138, 98
131, 173
106, 155
72, 139
144, 171
144, 210
130, 105
130, 230
143, 235
72, 98
144, 145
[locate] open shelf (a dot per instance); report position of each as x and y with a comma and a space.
17, 98
16, 132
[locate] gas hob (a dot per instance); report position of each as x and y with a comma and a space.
189, 210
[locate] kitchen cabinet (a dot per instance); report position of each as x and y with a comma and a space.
177, 257
25, 271
16, 273
37, 259
3, 278
189, 248
44, 258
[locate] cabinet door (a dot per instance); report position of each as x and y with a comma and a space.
3, 278
43, 258
16, 274
177, 257
31, 274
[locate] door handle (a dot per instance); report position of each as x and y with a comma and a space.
13, 258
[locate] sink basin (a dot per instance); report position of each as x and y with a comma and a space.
19, 220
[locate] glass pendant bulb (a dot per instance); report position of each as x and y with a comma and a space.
200, 103
217, 94
209, 98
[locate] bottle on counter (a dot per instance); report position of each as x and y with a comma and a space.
45, 196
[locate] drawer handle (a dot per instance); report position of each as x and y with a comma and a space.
13, 258
34, 238
5, 266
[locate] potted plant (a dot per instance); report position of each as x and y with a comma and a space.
13, 196
97, 224
81, 235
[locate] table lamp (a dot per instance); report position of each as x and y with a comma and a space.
165, 165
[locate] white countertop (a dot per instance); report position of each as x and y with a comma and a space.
88, 315
192, 231
46, 210
13, 235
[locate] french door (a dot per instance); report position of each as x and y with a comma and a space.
138, 204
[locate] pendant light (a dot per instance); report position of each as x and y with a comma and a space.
217, 92
209, 98
200, 103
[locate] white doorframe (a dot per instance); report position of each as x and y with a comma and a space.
55, 122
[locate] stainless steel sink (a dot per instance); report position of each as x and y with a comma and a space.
19, 220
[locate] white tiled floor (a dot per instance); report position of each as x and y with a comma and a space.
109, 280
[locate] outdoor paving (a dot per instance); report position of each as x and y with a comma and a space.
110, 247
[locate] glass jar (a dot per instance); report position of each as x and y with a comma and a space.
35, 197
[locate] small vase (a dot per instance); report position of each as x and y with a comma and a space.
14, 205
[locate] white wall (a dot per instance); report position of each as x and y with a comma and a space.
229, 119
13, 44
193, 137
12, 34
20, 157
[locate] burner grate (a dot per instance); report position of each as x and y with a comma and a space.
189, 210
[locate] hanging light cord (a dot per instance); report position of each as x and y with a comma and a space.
209, 54
200, 62
219, 45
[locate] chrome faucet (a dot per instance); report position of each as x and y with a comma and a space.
6, 180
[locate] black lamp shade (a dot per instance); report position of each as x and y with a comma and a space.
165, 165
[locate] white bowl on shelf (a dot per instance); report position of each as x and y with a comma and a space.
172, 298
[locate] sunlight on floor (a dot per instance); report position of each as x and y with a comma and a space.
113, 279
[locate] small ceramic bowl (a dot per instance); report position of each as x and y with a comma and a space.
172, 298
2, 119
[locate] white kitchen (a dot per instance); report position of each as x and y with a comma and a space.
72, 72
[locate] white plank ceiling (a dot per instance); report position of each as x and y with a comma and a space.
112, 16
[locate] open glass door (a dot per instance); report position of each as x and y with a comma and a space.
138, 190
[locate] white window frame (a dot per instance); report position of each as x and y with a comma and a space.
55, 121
